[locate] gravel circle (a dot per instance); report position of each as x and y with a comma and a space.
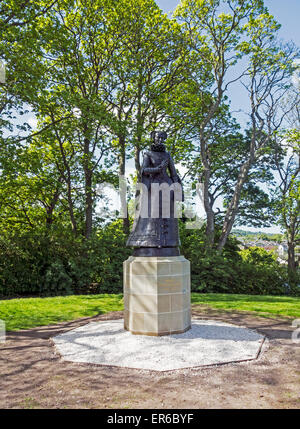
208, 342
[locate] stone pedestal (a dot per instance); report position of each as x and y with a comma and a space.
157, 295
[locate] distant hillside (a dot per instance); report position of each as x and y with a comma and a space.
257, 235
242, 232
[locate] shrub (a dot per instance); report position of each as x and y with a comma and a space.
262, 273
58, 263
251, 271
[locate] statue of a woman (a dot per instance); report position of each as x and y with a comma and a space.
155, 230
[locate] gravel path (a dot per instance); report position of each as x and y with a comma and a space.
206, 343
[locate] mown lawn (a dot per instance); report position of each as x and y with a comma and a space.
25, 313
265, 305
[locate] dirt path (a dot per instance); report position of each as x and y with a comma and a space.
32, 374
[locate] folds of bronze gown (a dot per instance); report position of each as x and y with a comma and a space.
156, 236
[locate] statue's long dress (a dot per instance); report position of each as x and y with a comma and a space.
158, 232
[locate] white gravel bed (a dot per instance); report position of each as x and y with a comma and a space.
207, 343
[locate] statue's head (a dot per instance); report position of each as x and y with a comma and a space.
157, 141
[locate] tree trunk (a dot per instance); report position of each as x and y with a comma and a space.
68, 181
137, 162
50, 207
233, 207
210, 216
291, 257
49, 217
88, 173
139, 129
70, 205
122, 160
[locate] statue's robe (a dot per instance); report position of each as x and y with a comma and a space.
158, 231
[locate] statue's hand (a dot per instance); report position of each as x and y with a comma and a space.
163, 164
156, 170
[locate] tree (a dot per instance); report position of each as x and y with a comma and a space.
79, 46
31, 187
20, 54
141, 77
270, 78
287, 202
101, 79
233, 41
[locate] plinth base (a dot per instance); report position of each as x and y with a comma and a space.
157, 295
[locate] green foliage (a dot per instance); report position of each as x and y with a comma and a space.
58, 263
258, 256
99, 75
251, 271
261, 273
56, 280
286, 204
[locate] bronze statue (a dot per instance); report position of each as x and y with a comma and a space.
155, 229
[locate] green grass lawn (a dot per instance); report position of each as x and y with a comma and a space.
25, 313
264, 305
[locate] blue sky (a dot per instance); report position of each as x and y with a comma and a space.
287, 12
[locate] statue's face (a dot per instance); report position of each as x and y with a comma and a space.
161, 137
158, 137
154, 137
